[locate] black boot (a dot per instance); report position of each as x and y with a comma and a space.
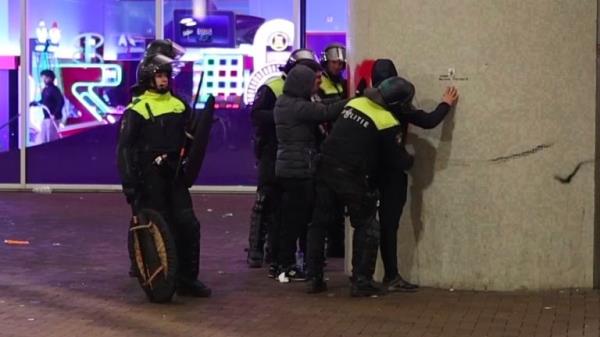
316, 285
193, 289
273, 271
254, 259
133, 271
365, 288
256, 237
398, 284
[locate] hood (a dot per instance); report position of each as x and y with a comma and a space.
382, 69
299, 82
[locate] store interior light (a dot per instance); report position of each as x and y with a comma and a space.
199, 8
41, 32
187, 21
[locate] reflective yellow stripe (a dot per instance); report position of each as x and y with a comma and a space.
276, 86
330, 88
382, 118
160, 104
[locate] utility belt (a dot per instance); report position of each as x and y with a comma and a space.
159, 158
329, 163
330, 168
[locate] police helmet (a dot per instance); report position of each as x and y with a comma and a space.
160, 57
333, 52
165, 47
397, 93
301, 56
152, 65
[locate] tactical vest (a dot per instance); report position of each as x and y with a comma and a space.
276, 85
160, 104
382, 118
331, 88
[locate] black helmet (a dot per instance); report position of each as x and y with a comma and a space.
333, 52
301, 56
153, 65
397, 93
165, 47
160, 57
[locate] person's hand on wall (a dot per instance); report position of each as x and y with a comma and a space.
450, 96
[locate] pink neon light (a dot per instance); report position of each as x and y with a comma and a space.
9, 62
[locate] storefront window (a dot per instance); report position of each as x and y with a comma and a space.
91, 49
9, 101
233, 47
326, 22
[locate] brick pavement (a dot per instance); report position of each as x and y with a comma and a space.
71, 280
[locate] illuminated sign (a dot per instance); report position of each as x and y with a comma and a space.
88, 47
279, 41
84, 80
260, 77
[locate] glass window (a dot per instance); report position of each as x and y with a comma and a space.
91, 49
237, 45
326, 22
10, 26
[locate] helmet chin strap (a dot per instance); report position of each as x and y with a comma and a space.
158, 90
335, 78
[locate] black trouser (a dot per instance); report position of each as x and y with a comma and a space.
335, 183
392, 199
296, 211
266, 214
171, 198
336, 232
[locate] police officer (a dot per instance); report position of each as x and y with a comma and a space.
333, 84
334, 88
265, 217
151, 136
393, 182
362, 143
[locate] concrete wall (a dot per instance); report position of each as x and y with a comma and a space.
485, 209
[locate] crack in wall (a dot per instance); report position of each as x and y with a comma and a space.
567, 179
520, 154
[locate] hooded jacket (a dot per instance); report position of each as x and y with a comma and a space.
296, 121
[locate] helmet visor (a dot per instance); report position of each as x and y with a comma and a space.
335, 54
166, 64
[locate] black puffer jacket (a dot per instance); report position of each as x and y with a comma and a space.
296, 120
